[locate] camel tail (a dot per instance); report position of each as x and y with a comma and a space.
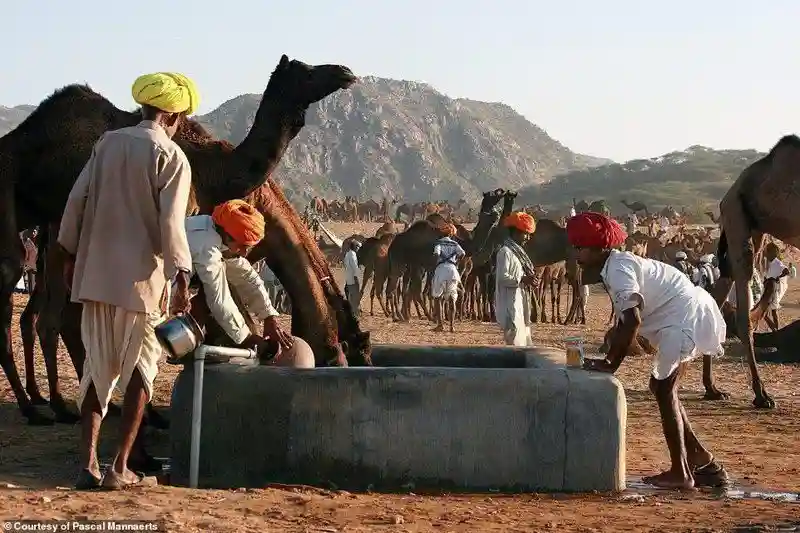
722, 256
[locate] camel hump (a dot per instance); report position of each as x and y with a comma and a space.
787, 141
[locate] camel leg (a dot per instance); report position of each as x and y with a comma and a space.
741, 255
553, 304
27, 327
10, 272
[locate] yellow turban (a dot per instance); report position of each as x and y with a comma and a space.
170, 92
241, 221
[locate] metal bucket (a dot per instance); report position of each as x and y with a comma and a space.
179, 336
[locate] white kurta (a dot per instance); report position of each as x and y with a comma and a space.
511, 302
215, 273
679, 318
351, 270
775, 269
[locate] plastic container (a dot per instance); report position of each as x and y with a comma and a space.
574, 347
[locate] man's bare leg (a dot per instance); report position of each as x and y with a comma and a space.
452, 310
438, 311
91, 419
775, 325
679, 476
132, 411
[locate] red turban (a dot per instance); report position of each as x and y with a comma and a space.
241, 221
594, 230
521, 221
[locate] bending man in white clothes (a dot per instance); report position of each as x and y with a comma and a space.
681, 320
218, 244
446, 278
514, 278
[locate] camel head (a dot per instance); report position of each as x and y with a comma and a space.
358, 348
491, 199
303, 84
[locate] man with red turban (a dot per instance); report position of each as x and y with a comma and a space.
446, 278
514, 277
682, 321
219, 244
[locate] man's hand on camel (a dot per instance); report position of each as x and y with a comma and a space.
273, 331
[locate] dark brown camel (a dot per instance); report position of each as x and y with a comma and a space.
374, 255
220, 172
762, 201
483, 253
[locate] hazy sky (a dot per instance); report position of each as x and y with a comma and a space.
614, 78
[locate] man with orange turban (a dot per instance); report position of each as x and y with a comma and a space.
446, 278
682, 321
218, 245
124, 238
514, 276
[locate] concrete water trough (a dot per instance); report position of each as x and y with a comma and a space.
452, 417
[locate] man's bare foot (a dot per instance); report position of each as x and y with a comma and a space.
670, 480
439, 328
89, 478
452, 329
119, 480
699, 459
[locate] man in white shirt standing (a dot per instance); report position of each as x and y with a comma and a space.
446, 277
352, 282
514, 278
658, 302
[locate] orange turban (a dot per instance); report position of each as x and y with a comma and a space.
449, 230
241, 221
521, 221
595, 230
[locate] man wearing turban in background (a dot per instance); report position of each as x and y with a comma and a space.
682, 321
514, 278
446, 278
218, 246
124, 237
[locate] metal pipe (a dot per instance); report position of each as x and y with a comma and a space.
197, 399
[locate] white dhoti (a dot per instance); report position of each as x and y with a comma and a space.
445, 281
777, 296
703, 334
117, 342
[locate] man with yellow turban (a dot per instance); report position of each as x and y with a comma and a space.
124, 237
514, 277
218, 245
446, 278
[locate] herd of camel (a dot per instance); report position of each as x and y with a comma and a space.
47, 151
350, 209
402, 276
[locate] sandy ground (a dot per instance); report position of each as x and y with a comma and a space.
759, 448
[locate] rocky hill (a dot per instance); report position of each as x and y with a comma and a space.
398, 138
11, 116
695, 178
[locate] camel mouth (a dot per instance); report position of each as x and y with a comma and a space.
347, 78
